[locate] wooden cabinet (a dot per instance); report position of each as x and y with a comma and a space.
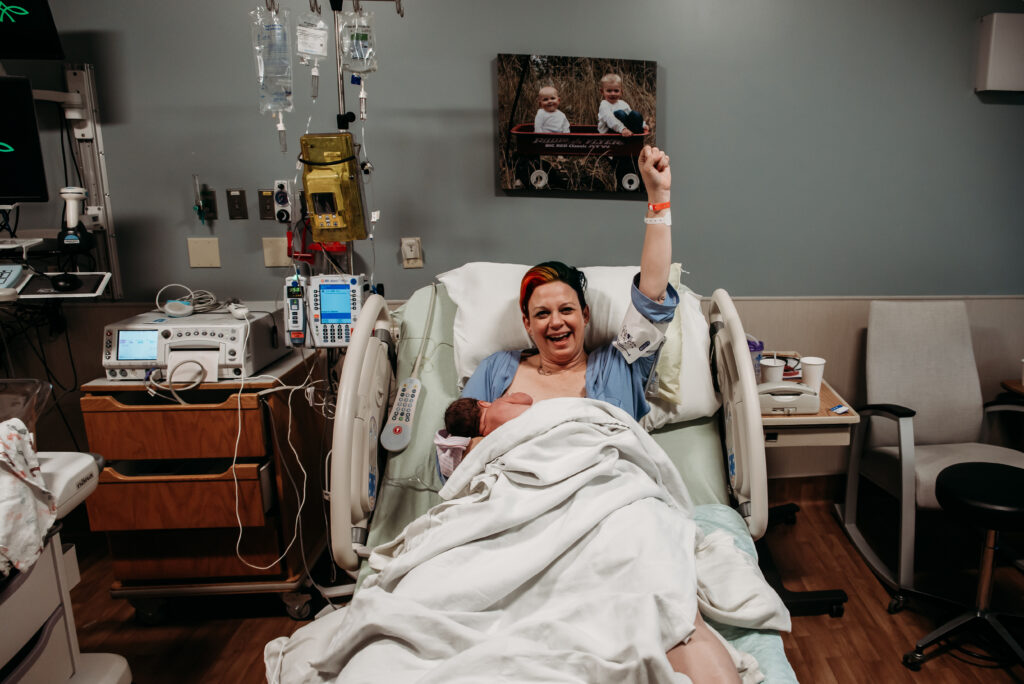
182, 481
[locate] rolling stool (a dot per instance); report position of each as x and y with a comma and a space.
989, 495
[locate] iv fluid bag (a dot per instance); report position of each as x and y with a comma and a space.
272, 50
355, 35
311, 38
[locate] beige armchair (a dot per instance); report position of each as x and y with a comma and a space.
925, 413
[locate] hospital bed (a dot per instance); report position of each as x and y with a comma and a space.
720, 456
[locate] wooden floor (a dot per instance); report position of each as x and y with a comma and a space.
222, 639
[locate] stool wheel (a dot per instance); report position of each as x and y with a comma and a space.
896, 604
913, 660
836, 610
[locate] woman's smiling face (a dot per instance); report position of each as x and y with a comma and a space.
556, 322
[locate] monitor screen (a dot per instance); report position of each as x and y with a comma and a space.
27, 31
136, 345
335, 304
22, 174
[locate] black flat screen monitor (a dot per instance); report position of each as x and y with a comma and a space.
22, 173
27, 31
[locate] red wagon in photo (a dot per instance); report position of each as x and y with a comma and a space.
581, 141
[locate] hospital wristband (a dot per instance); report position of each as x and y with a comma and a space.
659, 207
665, 218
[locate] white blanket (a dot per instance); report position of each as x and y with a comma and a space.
564, 551
27, 507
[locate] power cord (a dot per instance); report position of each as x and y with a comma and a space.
196, 301
152, 383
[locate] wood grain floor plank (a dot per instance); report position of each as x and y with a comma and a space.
221, 639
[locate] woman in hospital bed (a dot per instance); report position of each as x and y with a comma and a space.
555, 314
565, 547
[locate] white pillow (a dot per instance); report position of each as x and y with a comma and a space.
488, 320
684, 387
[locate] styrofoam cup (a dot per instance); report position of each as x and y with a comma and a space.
771, 369
813, 371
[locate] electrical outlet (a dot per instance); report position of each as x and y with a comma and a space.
237, 208
267, 210
275, 252
412, 252
204, 252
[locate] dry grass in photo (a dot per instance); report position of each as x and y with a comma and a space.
587, 166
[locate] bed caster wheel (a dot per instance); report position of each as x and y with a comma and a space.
149, 612
896, 604
298, 605
836, 610
913, 660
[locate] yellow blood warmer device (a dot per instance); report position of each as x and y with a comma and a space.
333, 183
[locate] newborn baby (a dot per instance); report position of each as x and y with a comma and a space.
467, 421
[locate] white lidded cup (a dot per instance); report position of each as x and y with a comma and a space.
813, 371
771, 369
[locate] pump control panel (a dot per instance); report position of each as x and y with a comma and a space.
321, 310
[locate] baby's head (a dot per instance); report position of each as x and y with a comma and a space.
472, 418
462, 418
611, 87
548, 99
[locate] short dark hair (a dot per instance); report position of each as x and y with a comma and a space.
549, 272
462, 418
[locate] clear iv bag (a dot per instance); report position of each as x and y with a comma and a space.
311, 38
272, 49
311, 45
355, 35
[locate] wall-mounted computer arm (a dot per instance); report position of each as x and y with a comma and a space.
79, 103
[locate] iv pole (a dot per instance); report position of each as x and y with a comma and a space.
345, 117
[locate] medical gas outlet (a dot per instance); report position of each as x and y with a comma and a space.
282, 201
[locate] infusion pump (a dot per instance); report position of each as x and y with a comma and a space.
321, 310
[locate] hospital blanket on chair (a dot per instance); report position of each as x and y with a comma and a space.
564, 551
27, 508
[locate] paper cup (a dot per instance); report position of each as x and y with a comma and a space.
771, 369
813, 370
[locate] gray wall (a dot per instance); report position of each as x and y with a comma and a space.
819, 148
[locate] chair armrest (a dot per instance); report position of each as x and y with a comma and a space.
1007, 401
894, 411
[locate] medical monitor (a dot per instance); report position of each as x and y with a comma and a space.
335, 303
137, 345
27, 31
22, 172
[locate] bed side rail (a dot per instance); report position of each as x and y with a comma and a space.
363, 394
742, 433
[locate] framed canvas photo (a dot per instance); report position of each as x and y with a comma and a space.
569, 125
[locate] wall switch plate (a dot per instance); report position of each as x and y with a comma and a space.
267, 210
237, 208
209, 199
412, 252
204, 252
275, 252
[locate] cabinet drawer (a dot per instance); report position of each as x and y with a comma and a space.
124, 426
142, 498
